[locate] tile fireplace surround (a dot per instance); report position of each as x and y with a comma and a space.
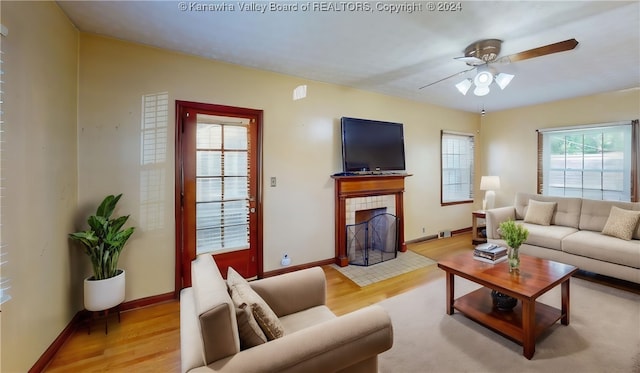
368, 203
364, 192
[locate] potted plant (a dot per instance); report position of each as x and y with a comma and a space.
515, 235
103, 242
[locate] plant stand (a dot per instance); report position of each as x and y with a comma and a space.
105, 315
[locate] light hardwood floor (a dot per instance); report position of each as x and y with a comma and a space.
148, 339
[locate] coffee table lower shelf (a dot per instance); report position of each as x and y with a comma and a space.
478, 306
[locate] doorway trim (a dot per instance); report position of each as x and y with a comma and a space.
183, 270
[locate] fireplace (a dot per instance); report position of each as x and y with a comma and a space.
363, 192
373, 238
371, 205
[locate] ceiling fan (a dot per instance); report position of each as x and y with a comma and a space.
480, 54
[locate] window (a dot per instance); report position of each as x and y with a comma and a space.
595, 162
222, 183
457, 150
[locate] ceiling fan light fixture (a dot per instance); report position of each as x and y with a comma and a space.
481, 90
503, 80
464, 86
483, 79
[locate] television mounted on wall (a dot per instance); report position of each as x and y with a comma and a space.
372, 146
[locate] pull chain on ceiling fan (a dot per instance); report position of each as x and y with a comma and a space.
480, 54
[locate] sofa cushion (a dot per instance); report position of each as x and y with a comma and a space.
249, 331
621, 223
547, 236
251, 334
264, 316
598, 246
304, 319
540, 212
567, 211
594, 214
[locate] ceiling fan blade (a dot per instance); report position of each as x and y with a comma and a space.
561, 46
448, 77
471, 61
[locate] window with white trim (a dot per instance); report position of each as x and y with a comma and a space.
457, 168
595, 162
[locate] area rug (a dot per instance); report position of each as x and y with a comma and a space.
603, 334
405, 262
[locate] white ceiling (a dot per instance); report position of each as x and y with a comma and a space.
395, 53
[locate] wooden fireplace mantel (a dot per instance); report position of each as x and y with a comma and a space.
365, 186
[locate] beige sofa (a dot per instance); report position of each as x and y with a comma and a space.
314, 339
574, 235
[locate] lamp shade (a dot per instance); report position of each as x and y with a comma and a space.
490, 183
503, 80
464, 86
481, 91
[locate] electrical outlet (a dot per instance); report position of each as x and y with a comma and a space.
273, 181
424, 230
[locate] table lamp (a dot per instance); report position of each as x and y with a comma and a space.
489, 184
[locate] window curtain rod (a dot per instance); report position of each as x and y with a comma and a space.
583, 127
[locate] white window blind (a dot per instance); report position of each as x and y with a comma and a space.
457, 167
222, 184
4, 282
589, 162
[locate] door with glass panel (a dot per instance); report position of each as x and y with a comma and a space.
219, 201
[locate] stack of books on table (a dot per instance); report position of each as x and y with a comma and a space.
490, 253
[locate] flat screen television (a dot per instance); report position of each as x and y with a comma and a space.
372, 146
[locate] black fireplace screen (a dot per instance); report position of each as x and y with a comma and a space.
373, 241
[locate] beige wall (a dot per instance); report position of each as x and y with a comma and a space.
510, 137
301, 149
39, 168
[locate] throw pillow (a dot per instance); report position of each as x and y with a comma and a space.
621, 223
248, 329
539, 212
263, 314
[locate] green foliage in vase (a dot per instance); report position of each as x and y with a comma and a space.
104, 240
514, 234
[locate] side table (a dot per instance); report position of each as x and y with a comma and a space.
477, 237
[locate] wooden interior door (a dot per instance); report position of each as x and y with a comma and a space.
217, 190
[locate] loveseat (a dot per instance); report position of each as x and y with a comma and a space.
221, 325
570, 230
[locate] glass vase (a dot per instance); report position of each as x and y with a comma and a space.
514, 260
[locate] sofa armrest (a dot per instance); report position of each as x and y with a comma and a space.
294, 291
326, 347
496, 216
191, 353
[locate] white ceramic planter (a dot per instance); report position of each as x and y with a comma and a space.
100, 295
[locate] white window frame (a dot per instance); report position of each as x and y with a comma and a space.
601, 175
457, 171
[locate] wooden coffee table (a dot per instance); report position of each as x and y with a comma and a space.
526, 322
